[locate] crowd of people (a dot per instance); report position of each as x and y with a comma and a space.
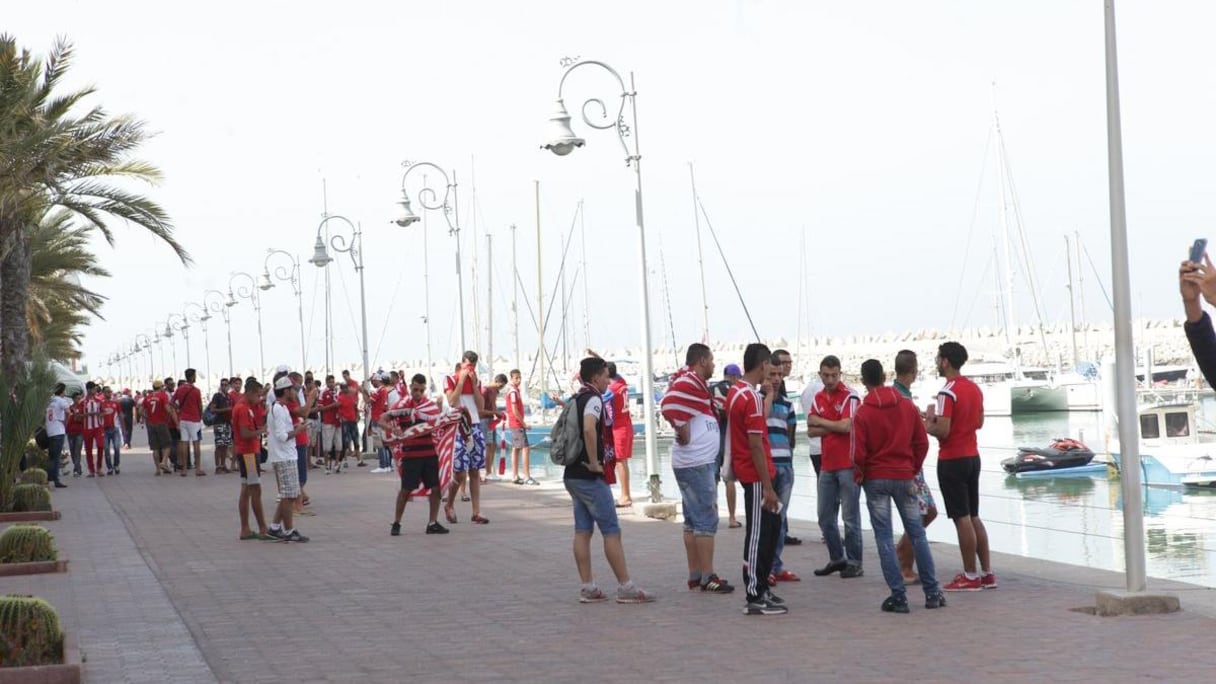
740, 431
743, 430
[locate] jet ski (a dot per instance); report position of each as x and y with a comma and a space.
1060, 454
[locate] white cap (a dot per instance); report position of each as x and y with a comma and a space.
282, 369
283, 383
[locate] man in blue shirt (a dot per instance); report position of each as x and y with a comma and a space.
782, 424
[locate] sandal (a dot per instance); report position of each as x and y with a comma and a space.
478, 520
466, 497
450, 514
624, 504
199, 473
735, 523
251, 535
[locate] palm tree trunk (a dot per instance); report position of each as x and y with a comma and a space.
14, 288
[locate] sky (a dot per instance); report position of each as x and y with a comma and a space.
844, 145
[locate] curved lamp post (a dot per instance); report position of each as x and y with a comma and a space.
353, 247
201, 317
182, 325
563, 141
287, 275
144, 342
216, 302
249, 292
429, 199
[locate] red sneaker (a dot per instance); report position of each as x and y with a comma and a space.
787, 576
988, 581
961, 583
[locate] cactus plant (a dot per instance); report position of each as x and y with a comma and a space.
27, 544
29, 632
33, 476
31, 497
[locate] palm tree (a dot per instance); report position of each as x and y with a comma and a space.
50, 158
58, 305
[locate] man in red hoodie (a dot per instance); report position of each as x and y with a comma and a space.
889, 446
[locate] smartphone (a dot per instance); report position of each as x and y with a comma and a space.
1198, 249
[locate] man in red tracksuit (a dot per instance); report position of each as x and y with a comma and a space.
94, 428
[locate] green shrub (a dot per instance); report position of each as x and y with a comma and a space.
29, 632
33, 476
31, 497
27, 544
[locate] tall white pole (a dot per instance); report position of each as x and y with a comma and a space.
540, 304
1125, 362
1011, 331
426, 296
652, 452
362, 298
696, 217
299, 288
459, 277
515, 299
490, 305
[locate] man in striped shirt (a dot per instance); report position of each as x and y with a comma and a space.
419, 462
688, 406
94, 429
782, 423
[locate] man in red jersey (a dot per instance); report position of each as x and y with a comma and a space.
112, 428
348, 415
752, 464
377, 399
954, 420
831, 417
188, 401
517, 431
75, 430
247, 432
94, 431
419, 462
158, 414
331, 426
622, 432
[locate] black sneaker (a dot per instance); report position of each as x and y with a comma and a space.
278, 534
831, 567
764, 607
935, 601
851, 571
295, 536
436, 528
773, 598
895, 604
396, 531
60, 485
793, 541
716, 585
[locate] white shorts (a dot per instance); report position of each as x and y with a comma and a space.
191, 431
331, 438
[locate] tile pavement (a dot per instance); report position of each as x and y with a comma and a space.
160, 589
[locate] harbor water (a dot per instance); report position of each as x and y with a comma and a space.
1076, 520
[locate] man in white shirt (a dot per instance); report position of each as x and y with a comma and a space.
281, 447
56, 429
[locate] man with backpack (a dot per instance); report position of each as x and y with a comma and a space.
578, 444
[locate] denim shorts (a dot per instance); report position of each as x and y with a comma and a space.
593, 505
699, 489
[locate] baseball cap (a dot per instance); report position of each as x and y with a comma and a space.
282, 368
732, 369
283, 383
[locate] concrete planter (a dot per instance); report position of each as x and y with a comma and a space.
36, 568
66, 673
28, 516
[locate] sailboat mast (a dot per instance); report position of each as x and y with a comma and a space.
582, 238
1081, 292
490, 305
565, 341
696, 216
540, 301
1006, 247
515, 298
1072, 312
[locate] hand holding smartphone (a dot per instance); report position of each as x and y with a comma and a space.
1198, 250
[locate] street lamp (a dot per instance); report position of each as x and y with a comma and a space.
281, 273
182, 325
146, 345
216, 302
249, 292
563, 141
201, 318
428, 198
353, 247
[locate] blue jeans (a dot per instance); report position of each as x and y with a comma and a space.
75, 444
699, 491
593, 505
112, 443
839, 494
55, 451
879, 495
783, 484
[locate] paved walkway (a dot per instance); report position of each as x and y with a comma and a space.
160, 589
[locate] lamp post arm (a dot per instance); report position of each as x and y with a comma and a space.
429, 198
601, 121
